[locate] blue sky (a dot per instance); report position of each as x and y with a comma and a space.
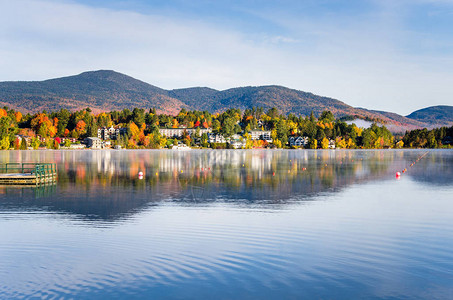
384, 55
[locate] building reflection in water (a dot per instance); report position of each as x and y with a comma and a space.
106, 185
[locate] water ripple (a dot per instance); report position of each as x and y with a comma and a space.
364, 241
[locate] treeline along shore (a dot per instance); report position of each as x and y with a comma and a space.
251, 128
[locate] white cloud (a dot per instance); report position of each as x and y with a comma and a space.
357, 62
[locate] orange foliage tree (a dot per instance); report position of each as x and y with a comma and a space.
43, 126
27, 132
80, 128
18, 116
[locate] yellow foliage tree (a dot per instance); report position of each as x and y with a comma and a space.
131, 143
379, 143
248, 141
314, 144
52, 131
4, 143
357, 130
340, 143
135, 131
325, 143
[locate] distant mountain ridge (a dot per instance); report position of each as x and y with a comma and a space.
440, 114
100, 90
106, 90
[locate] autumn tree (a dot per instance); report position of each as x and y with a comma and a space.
325, 143
18, 116
79, 129
43, 126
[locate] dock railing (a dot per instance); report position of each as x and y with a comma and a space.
42, 172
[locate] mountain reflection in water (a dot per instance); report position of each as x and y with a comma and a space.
104, 185
233, 224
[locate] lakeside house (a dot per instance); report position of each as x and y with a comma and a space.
237, 144
77, 146
264, 135
298, 141
331, 144
70, 139
94, 143
236, 141
111, 133
216, 138
106, 133
179, 132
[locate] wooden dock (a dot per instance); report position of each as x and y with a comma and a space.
28, 173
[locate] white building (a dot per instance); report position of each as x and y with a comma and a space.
94, 143
216, 138
106, 133
77, 146
237, 144
264, 135
298, 141
110, 133
179, 132
331, 144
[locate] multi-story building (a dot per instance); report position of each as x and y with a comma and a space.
94, 143
110, 133
264, 135
216, 138
179, 132
119, 131
298, 141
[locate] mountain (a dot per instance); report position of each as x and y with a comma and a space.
100, 90
285, 99
398, 122
434, 115
106, 90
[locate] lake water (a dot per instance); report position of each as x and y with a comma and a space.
230, 224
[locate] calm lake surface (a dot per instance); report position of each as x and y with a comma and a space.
230, 224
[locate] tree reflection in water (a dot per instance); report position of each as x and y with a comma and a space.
105, 184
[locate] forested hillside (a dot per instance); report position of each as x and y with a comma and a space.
441, 115
105, 90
